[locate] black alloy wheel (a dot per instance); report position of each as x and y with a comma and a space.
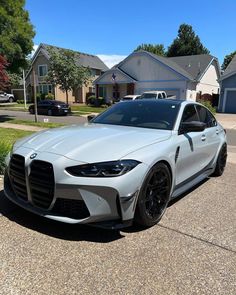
221, 161
154, 196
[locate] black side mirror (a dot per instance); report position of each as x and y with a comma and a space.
90, 117
193, 126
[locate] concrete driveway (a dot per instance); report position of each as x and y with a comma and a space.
191, 251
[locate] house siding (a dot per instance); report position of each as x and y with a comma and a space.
226, 84
145, 68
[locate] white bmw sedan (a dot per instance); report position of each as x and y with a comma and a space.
125, 165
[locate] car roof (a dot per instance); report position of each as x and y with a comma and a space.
52, 101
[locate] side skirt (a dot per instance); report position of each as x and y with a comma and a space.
191, 182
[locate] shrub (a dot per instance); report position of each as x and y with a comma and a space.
5, 148
91, 99
20, 101
96, 102
49, 96
208, 105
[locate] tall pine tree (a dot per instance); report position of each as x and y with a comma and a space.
227, 60
186, 43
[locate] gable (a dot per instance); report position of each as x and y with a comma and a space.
120, 77
144, 67
211, 75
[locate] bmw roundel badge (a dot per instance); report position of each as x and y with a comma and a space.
34, 155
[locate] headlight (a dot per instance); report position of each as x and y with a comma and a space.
103, 169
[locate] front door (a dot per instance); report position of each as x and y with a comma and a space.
192, 151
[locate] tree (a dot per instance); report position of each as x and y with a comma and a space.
3, 74
65, 71
157, 49
16, 33
227, 60
186, 43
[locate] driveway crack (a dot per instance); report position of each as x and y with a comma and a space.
197, 238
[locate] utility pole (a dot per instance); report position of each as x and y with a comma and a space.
35, 98
24, 88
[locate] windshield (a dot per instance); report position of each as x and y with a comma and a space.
145, 114
148, 96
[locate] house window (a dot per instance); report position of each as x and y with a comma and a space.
42, 70
102, 92
45, 88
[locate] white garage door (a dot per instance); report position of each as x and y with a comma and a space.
230, 103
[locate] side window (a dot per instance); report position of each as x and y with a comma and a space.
211, 120
202, 114
206, 117
163, 95
159, 95
190, 114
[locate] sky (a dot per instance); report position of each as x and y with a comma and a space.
113, 29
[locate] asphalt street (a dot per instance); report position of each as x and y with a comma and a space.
191, 251
6, 115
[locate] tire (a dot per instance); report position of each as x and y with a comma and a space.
154, 196
11, 99
49, 112
221, 161
31, 111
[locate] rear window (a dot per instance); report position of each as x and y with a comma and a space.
148, 96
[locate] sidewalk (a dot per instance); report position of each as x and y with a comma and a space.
228, 121
21, 127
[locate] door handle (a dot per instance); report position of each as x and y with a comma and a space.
203, 138
217, 131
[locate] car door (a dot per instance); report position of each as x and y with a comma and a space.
40, 107
191, 146
211, 132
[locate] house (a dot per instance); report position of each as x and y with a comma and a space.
227, 103
41, 62
186, 77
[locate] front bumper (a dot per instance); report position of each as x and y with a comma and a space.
109, 202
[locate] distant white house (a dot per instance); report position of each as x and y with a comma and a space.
184, 76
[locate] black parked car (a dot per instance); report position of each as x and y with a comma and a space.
51, 107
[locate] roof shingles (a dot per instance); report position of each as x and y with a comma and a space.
82, 59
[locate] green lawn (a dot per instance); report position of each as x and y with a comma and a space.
84, 109
8, 136
38, 124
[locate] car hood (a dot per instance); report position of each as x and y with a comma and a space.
93, 142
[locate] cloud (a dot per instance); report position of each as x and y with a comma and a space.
112, 59
35, 47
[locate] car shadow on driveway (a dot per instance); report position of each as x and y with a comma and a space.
137, 228
70, 232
